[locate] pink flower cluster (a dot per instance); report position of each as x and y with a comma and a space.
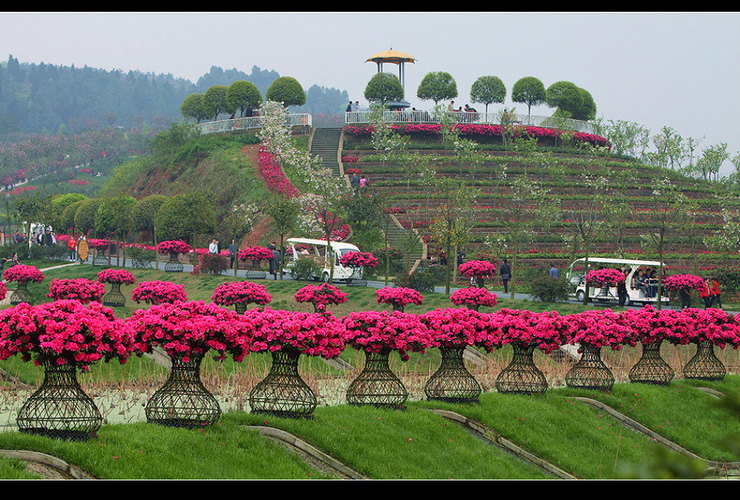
158, 292
473, 296
97, 243
599, 329
3, 291
545, 330
455, 328
23, 273
313, 334
321, 295
184, 329
374, 331
477, 269
244, 292
398, 296
358, 259
604, 277
81, 289
64, 332
254, 253
683, 282
273, 174
121, 276
173, 247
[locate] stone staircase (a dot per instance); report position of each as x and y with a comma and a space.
325, 145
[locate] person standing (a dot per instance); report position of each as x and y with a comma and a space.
213, 247
554, 273
505, 272
715, 294
275, 262
72, 245
232, 254
622, 290
705, 295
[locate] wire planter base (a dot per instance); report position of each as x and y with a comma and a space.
183, 400
283, 393
704, 365
452, 382
21, 294
377, 385
521, 376
590, 372
651, 368
59, 408
173, 265
114, 298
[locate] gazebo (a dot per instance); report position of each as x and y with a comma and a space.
394, 57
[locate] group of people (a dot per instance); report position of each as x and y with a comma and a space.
711, 293
358, 182
353, 107
647, 281
467, 114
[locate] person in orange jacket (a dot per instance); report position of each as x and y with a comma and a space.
72, 245
715, 294
704, 294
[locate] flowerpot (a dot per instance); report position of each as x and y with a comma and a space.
114, 298
376, 384
521, 376
357, 278
685, 298
590, 372
173, 265
183, 400
256, 272
452, 382
651, 368
704, 365
100, 259
21, 294
59, 408
240, 307
283, 392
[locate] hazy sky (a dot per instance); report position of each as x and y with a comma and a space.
657, 69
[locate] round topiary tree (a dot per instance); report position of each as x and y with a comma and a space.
287, 90
384, 88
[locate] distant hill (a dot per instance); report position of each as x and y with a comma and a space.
43, 98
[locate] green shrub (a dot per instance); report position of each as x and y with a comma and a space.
140, 257
305, 269
547, 289
423, 279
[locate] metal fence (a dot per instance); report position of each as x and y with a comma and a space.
250, 123
414, 116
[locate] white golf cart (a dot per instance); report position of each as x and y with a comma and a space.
576, 275
308, 248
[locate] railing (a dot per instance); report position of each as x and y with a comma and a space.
250, 123
363, 117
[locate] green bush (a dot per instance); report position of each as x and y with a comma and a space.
51, 252
305, 269
423, 279
547, 289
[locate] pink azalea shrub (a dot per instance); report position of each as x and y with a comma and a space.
712, 325
398, 297
473, 296
477, 269
598, 329
255, 253
455, 328
241, 292
3, 291
81, 289
546, 331
313, 334
683, 282
64, 332
23, 273
98, 243
650, 325
185, 329
373, 331
120, 276
173, 247
158, 292
321, 296
604, 277
358, 259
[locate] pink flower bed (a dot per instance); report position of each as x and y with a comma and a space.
473, 296
158, 292
398, 296
23, 273
373, 331
321, 295
604, 277
455, 328
173, 247
683, 282
81, 289
241, 292
64, 332
120, 276
358, 259
477, 269
273, 174
254, 253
